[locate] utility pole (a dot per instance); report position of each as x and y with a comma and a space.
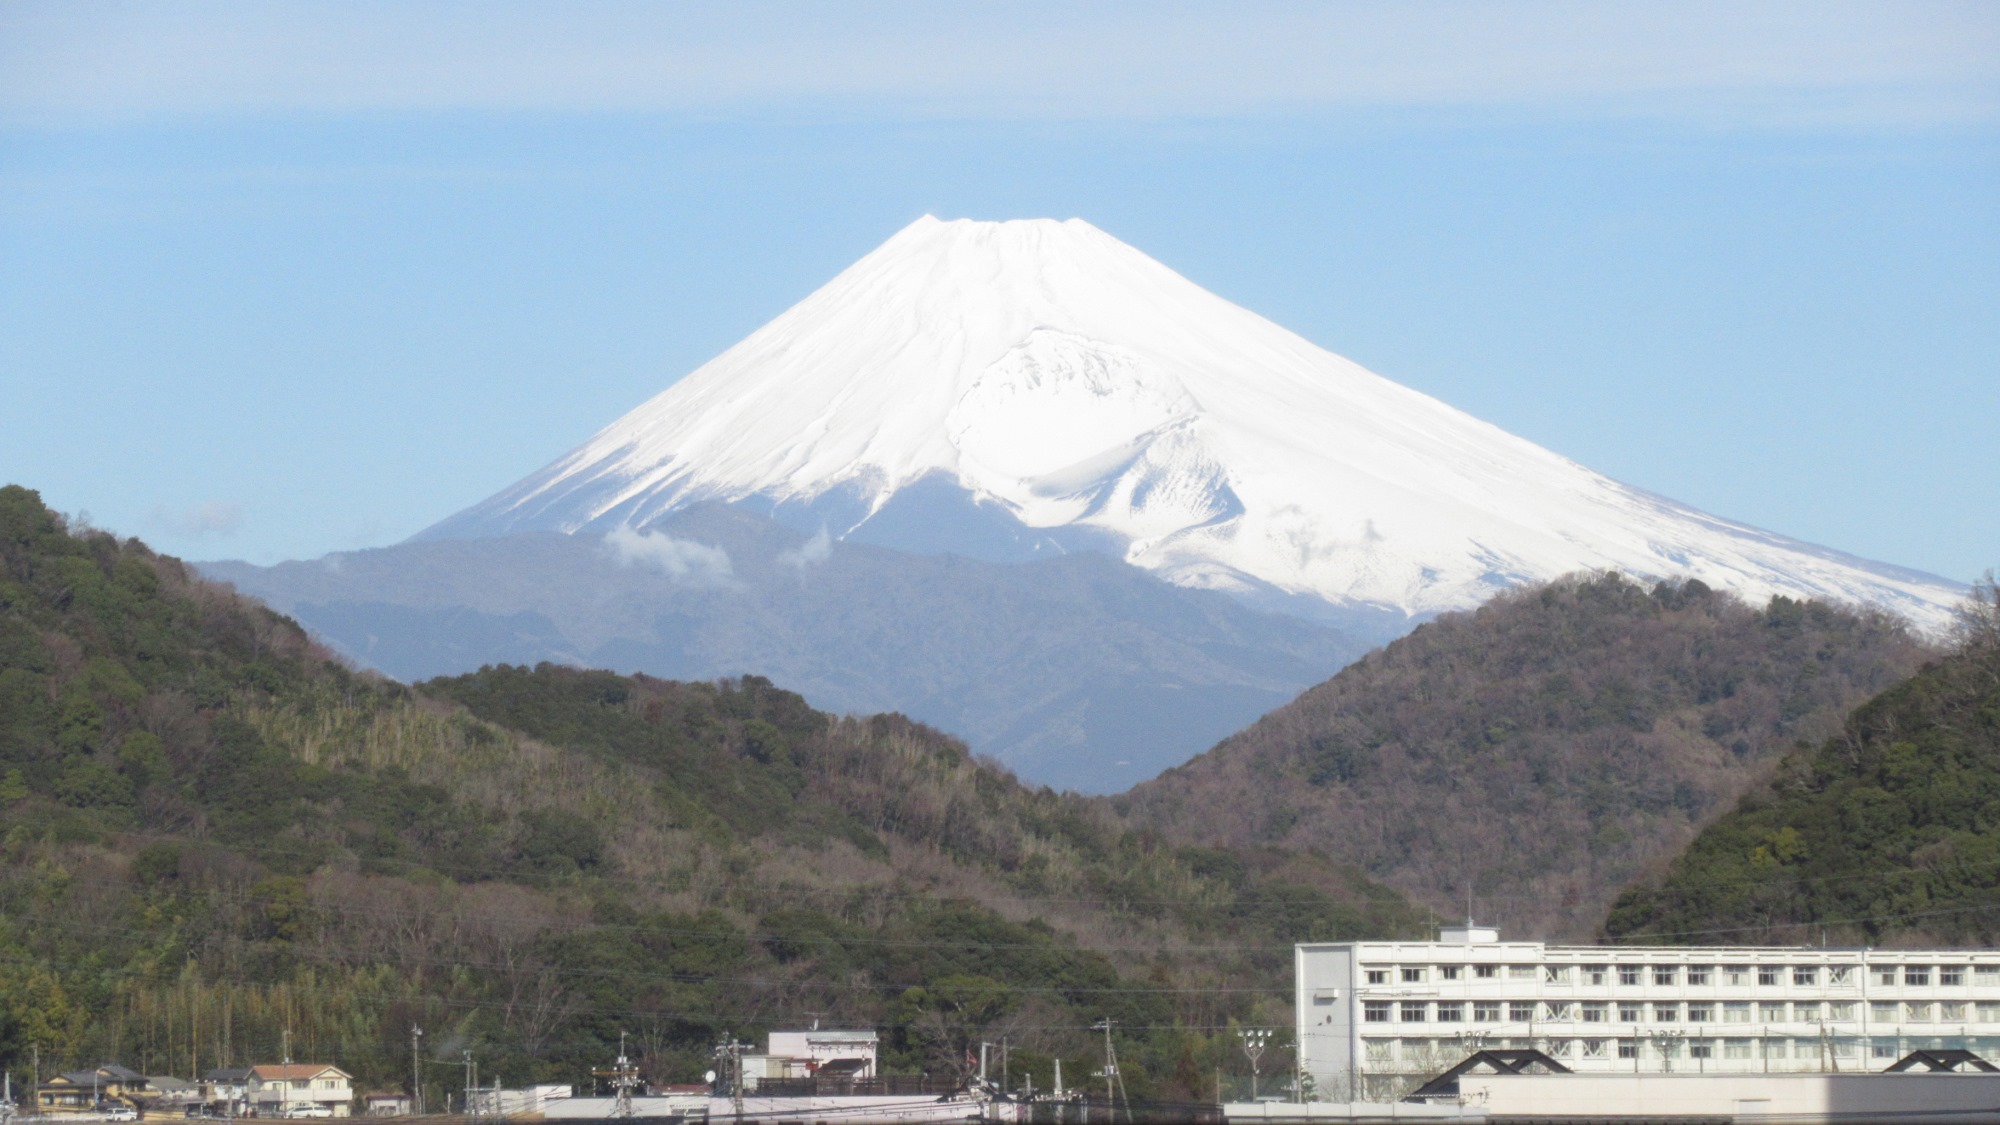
416, 1071
729, 1053
471, 1114
736, 1057
1111, 1074
1110, 1065
627, 1076
1299, 1069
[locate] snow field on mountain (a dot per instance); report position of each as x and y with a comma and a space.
1050, 369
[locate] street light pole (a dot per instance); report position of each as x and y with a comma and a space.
1254, 1041
416, 1072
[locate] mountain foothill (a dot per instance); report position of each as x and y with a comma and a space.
212, 832
1885, 833
1527, 759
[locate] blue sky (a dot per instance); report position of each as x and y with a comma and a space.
282, 279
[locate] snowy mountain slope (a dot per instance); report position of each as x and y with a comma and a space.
1068, 383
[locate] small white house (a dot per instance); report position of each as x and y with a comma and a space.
299, 1090
818, 1053
386, 1105
225, 1090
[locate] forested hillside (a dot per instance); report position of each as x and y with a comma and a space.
1888, 833
1539, 753
210, 832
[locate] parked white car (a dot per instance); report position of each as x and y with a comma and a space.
310, 1111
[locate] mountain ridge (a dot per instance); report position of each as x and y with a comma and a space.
1541, 752
1075, 670
1884, 834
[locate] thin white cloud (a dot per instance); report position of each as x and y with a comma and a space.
216, 518
809, 553
684, 561
1939, 60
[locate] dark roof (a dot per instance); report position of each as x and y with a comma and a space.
1511, 1060
108, 1073
1942, 1060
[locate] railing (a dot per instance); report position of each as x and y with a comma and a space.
1099, 1111
890, 1085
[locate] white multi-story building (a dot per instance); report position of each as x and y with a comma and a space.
1376, 1018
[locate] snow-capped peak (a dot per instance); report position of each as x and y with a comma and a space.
1051, 371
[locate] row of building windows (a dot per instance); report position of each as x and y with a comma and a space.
1428, 1050
1735, 1011
1919, 976
1840, 1048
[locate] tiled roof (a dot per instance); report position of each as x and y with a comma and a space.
167, 1083
286, 1072
103, 1075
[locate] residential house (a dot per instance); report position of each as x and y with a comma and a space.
83, 1091
386, 1105
818, 1053
226, 1090
166, 1094
278, 1089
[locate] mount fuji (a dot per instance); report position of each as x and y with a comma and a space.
1005, 389
1025, 483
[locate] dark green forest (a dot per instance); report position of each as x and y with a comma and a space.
212, 832
1539, 753
1885, 834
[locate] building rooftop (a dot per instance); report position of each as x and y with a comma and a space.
282, 1072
